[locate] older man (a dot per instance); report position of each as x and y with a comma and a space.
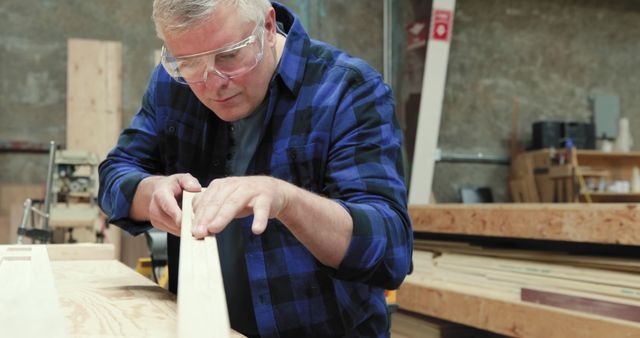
298, 146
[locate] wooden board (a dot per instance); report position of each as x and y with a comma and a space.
594, 223
104, 298
431, 100
202, 307
94, 101
29, 304
94, 95
473, 306
583, 303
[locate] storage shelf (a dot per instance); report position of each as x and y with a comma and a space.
594, 223
475, 307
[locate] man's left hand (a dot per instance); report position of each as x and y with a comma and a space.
236, 197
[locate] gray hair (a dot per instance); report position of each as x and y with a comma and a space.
177, 16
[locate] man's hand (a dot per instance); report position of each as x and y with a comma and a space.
236, 197
156, 200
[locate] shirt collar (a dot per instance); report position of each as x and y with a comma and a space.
294, 56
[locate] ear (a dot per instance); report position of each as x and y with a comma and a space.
270, 27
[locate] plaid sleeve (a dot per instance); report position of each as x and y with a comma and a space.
365, 173
131, 160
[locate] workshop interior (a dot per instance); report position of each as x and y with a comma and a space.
518, 121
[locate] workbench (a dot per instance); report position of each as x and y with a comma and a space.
98, 297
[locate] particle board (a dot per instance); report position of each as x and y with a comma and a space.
593, 223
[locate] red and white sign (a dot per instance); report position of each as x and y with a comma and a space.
417, 33
441, 28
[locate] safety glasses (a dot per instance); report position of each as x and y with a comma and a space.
226, 62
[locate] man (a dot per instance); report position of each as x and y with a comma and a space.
298, 146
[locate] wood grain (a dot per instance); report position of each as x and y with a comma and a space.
202, 307
594, 223
80, 251
105, 298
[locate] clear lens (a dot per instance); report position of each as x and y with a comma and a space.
229, 63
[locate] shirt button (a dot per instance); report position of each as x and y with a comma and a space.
293, 155
232, 128
216, 163
171, 129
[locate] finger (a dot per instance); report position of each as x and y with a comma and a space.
232, 207
159, 219
188, 183
213, 188
168, 204
261, 210
209, 205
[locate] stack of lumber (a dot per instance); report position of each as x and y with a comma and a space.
601, 286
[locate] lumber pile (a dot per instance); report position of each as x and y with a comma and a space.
602, 286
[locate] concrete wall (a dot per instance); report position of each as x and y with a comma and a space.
33, 59
548, 55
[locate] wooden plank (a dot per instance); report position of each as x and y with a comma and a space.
94, 101
202, 307
80, 251
583, 303
94, 95
593, 223
433, 85
104, 298
472, 306
29, 304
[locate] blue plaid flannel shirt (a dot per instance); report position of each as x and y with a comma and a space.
330, 128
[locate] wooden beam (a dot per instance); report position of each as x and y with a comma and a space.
431, 100
94, 102
472, 306
593, 223
202, 307
29, 304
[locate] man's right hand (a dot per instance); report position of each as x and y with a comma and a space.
156, 200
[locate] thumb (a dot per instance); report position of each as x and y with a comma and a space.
189, 183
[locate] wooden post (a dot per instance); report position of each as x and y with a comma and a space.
94, 102
433, 85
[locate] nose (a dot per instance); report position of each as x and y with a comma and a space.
213, 80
